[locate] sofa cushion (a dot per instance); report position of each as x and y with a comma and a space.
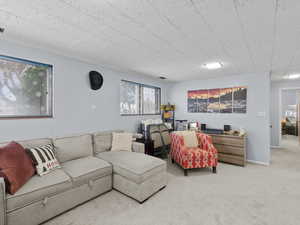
85, 169
43, 158
134, 166
190, 139
121, 141
103, 140
69, 148
38, 188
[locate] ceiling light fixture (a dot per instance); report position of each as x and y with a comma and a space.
212, 65
292, 76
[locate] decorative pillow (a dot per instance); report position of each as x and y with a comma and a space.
121, 142
43, 158
15, 166
190, 139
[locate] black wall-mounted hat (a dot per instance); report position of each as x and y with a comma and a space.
96, 80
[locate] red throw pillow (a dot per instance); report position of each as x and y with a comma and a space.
16, 167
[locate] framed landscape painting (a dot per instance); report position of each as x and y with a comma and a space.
218, 100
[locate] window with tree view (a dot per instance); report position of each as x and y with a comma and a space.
139, 99
25, 88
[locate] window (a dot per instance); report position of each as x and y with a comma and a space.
25, 88
151, 100
139, 99
130, 101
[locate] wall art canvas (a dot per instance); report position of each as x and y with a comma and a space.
226, 100
240, 100
192, 102
197, 101
213, 101
202, 100
218, 100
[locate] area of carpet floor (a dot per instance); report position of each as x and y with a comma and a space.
251, 195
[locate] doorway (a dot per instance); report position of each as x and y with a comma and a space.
289, 117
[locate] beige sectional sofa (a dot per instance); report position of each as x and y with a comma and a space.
89, 169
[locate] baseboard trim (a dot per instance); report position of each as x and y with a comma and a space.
258, 162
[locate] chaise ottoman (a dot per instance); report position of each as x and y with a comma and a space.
136, 175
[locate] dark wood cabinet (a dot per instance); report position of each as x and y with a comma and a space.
149, 145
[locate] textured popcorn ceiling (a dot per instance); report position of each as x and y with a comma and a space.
171, 38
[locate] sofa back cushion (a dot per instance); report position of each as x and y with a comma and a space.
32, 143
75, 147
103, 140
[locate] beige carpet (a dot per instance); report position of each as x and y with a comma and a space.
256, 195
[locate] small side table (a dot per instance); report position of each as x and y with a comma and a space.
149, 145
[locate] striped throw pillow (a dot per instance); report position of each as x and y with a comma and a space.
43, 158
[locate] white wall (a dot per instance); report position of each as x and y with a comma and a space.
258, 97
276, 87
73, 99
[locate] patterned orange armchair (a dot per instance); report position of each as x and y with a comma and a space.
205, 155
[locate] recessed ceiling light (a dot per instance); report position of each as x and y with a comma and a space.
212, 65
292, 76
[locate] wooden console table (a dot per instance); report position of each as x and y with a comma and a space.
231, 148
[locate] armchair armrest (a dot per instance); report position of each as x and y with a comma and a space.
2, 202
211, 148
205, 142
138, 147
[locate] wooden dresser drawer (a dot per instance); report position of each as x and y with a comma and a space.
233, 141
233, 150
233, 159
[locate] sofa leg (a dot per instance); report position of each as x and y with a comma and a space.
185, 172
214, 169
173, 161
